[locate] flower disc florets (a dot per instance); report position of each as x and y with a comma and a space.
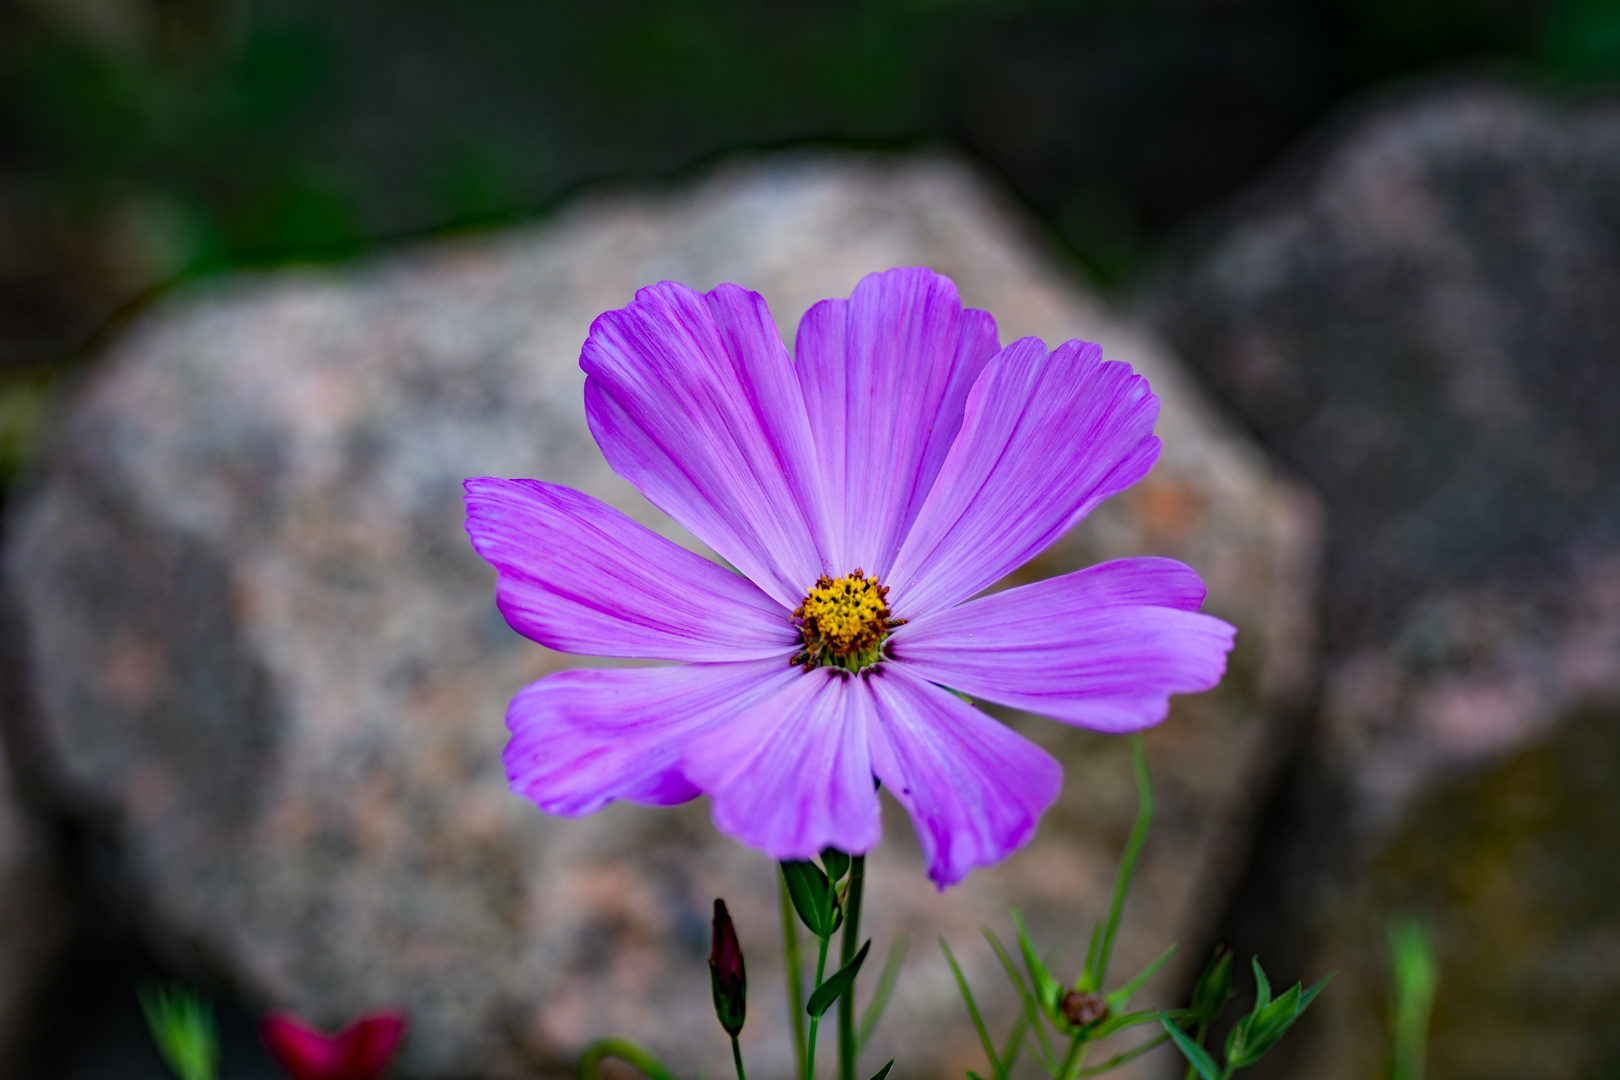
844, 622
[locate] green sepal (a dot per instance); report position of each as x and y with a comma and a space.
883, 1073
1085, 983
812, 897
1214, 987
1196, 1055
1262, 985
836, 862
831, 990
1048, 991
1258, 1032
1122, 997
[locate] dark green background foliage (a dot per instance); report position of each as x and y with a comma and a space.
270, 129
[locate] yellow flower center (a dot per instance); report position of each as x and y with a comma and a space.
844, 622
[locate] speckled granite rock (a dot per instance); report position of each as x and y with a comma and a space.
1426, 327
268, 654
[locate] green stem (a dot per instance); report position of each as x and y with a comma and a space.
1127, 862
1072, 1059
815, 1021
792, 967
736, 1055
852, 940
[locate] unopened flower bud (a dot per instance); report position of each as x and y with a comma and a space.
1081, 1009
727, 976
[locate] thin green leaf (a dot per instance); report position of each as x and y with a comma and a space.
836, 862
1015, 1041
831, 990
1084, 983
1031, 1009
1262, 986
1123, 1058
1195, 1054
1125, 1020
1122, 997
1048, 991
973, 1011
590, 1062
887, 980
883, 1073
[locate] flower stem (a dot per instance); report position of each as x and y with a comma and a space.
810, 1043
1127, 863
852, 940
736, 1055
792, 966
1072, 1059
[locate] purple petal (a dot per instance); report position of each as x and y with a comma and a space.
794, 775
581, 739
886, 376
974, 788
693, 399
1046, 437
1103, 648
578, 576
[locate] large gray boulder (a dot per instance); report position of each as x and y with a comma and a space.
1425, 325
268, 657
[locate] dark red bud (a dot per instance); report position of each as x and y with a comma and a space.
360, 1051
727, 976
1081, 1009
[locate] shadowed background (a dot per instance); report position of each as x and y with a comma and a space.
1384, 237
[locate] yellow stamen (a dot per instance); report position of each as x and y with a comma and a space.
844, 621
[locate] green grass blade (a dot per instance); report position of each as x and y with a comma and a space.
888, 979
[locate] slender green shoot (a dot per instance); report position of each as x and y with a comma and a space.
1124, 1058
888, 979
1416, 975
1097, 971
736, 1056
792, 968
182, 1025
847, 1045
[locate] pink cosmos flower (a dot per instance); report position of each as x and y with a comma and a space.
865, 490
360, 1051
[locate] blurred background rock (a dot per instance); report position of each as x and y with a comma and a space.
1385, 236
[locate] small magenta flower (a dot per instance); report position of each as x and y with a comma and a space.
360, 1051
865, 490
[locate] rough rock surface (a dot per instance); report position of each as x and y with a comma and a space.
266, 652
1427, 330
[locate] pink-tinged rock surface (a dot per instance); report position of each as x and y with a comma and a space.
1424, 325
266, 654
